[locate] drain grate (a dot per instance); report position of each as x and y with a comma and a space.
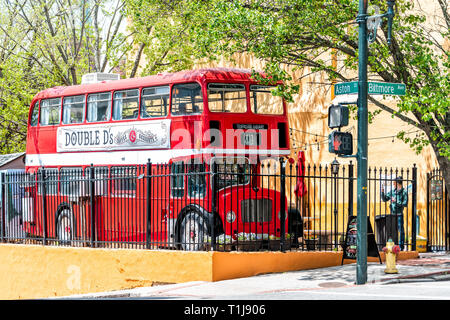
332, 284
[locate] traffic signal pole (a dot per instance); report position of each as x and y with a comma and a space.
361, 239
361, 155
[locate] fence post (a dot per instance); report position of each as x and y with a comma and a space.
350, 189
149, 207
92, 203
446, 201
282, 203
44, 206
213, 205
414, 208
3, 208
428, 211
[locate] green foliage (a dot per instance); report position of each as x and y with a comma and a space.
161, 27
51, 43
302, 34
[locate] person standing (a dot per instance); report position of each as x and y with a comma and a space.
399, 199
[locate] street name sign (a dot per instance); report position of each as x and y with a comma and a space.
387, 88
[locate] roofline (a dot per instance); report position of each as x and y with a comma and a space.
209, 74
19, 154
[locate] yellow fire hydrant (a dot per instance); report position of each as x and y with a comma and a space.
391, 250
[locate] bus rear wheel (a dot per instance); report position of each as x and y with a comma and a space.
192, 232
65, 227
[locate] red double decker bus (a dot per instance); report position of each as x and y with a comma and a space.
193, 141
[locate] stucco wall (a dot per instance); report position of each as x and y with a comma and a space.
31, 271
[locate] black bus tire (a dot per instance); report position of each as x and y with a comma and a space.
192, 232
65, 226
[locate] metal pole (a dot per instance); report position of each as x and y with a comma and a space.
282, 204
361, 240
414, 208
3, 207
350, 189
446, 201
428, 210
335, 210
213, 204
149, 208
44, 207
92, 203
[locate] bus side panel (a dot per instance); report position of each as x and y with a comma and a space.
160, 214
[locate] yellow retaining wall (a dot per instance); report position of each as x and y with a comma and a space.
29, 272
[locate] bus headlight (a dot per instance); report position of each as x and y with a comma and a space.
230, 216
279, 215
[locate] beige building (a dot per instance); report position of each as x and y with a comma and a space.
308, 118
308, 121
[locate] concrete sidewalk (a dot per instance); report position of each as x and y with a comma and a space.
428, 267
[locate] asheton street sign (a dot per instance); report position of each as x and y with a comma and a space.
397, 89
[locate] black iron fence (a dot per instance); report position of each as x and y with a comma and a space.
438, 213
228, 204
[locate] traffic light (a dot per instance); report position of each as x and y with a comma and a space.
340, 143
337, 116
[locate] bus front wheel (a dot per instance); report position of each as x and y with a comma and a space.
65, 227
192, 232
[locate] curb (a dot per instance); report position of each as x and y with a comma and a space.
426, 277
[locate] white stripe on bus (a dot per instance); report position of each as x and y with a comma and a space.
133, 157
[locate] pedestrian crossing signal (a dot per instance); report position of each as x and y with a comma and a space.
337, 116
340, 143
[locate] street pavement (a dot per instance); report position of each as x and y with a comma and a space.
425, 278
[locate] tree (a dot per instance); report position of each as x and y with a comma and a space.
161, 29
51, 43
303, 33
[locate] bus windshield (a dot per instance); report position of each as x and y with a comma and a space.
227, 97
263, 101
231, 171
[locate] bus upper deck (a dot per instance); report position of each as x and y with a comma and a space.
207, 111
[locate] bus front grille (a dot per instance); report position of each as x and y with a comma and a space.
256, 210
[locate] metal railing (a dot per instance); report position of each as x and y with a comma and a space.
438, 213
228, 205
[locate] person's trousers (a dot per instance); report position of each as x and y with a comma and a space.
401, 230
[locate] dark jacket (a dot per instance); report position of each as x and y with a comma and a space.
401, 200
